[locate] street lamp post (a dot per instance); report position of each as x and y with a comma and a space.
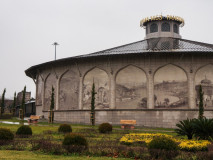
55, 44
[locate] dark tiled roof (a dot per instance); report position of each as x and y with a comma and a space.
154, 45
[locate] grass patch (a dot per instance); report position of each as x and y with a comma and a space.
100, 145
26, 155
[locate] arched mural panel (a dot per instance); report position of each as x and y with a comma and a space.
101, 81
131, 92
39, 91
50, 81
170, 88
69, 89
204, 77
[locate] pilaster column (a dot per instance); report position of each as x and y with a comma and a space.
112, 91
36, 102
43, 94
57, 94
150, 90
80, 98
191, 90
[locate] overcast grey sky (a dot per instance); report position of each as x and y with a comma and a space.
29, 27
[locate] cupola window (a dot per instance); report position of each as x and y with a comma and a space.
175, 28
165, 27
153, 28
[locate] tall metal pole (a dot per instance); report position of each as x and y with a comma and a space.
55, 44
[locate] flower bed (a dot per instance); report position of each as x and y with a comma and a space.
187, 145
194, 145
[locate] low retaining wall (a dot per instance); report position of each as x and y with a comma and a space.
149, 118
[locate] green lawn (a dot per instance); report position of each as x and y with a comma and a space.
27, 155
94, 138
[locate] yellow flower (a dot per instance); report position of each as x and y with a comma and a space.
188, 145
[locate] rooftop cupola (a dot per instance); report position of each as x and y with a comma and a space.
162, 26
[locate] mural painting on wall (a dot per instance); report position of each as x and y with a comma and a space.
101, 82
39, 91
50, 81
170, 88
69, 88
131, 88
204, 77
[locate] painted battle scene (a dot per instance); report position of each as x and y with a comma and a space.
69, 89
131, 88
50, 81
204, 77
170, 88
101, 81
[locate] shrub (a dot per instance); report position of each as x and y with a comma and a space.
105, 128
203, 128
18, 145
5, 135
75, 143
185, 128
64, 128
46, 144
24, 131
163, 147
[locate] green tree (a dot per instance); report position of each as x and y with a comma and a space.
92, 117
14, 104
201, 108
23, 103
2, 101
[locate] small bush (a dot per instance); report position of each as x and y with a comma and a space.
75, 143
105, 128
24, 131
18, 145
46, 145
64, 128
5, 135
163, 147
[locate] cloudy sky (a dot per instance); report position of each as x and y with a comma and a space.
29, 27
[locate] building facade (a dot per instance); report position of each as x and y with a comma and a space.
153, 81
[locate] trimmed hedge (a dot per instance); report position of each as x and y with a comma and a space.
105, 128
24, 131
163, 147
74, 142
64, 128
6, 134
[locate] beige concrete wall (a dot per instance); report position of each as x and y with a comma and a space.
147, 118
107, 73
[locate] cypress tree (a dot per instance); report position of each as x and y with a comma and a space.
52, 100
14, 104
2, 101
23, 103
52, 104
201, 108
92, 117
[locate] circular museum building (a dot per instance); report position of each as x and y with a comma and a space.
154, 81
